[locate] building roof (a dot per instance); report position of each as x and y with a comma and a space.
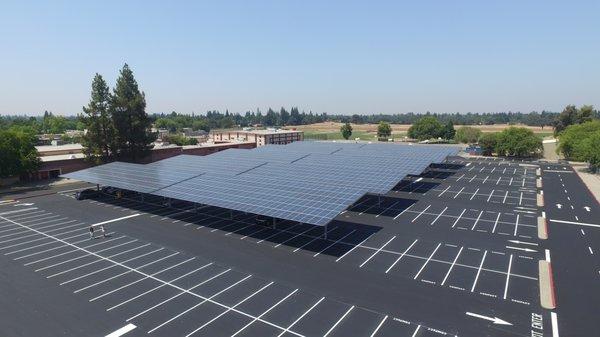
58, 157
260, 132
53, 148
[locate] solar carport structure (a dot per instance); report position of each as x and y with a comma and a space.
307, 182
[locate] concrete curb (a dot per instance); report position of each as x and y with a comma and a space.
542, 228
540, 200
538, 182
547, 297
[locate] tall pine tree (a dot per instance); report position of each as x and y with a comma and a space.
98, 140
133, 139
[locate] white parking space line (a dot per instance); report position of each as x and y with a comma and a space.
508, 276
505, 196
334, 243
476, 221
295, 236
158, 287
264, 313
63, 253
444, 191
301, 316
474, 194
423, 211
457, 194
120, 332
491, 194
82, 256
554, 322
516, 225
96, 261
406, 209
198, 304
338, 322
234, 306
18, 211
311, 241
478, 271
186, 291
275, 234
496, 223
452, 266
438, 216
177, 295
416, 331
460, 216
47, 243
379, 326
401, 255
427, 261
129, 271
377, 251
353, 248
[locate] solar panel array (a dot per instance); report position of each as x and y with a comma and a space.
309, 182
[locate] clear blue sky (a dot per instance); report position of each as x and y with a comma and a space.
333, 56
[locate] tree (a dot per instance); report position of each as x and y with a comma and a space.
467, 134
449, 132
346, 130
518, 142
572, 141
384, 130
567, 117
271, 118
426, 128
488, 142
128, 109
591, 146
284, 115
98, 140
18, 154
584, 114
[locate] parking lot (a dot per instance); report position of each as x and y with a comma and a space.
453, 251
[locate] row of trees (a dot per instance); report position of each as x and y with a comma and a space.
17, 151
581, 142
117, 124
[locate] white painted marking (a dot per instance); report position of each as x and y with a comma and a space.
508, 276
114, 220
460, 216
458, 193
523, 242
474, 194
582, 232
491, 194
377, 328
122, 331
416, 330
406, 209
198, 304
427, 261
496, 223
444, 191
423, 211
576, 223
477, 220
401, 255
591, 251
302, 316
377, 251
478, 271
505, 196
547, 253
438, 216
158, 287
18, 211
452, 266
237, 304
587, 208
554, 320
494, 320
516, 225
353, 248
523, 249
334, 243
336, 323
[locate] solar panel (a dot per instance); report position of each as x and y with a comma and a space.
309, 182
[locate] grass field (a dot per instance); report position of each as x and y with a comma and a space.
331, 130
